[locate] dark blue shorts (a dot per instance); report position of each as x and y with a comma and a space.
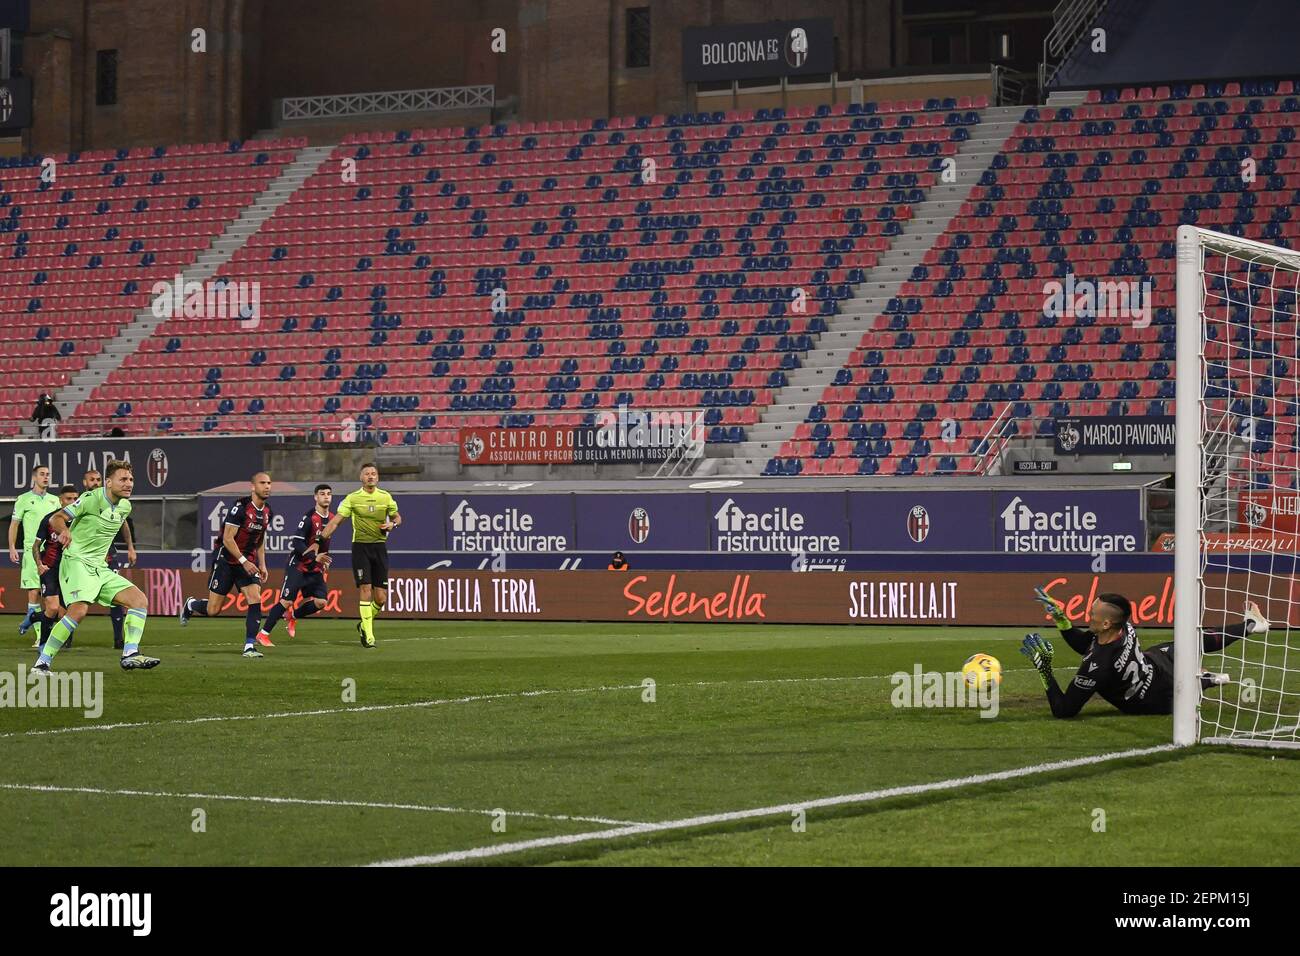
226, 576
50, 584
310, 584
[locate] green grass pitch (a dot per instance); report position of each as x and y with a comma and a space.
548, 722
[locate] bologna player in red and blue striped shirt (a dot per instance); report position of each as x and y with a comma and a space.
243, 537
47, 549
309, 559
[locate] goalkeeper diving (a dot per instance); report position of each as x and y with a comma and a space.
1114, 665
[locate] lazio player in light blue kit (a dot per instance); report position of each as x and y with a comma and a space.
29, 508
87, 528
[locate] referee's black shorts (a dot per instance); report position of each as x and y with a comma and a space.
370, 563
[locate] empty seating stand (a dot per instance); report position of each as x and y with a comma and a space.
1095, 193
86, 236
539, 272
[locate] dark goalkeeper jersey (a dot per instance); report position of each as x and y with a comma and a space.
1136, 681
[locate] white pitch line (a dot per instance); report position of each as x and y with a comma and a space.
373, 708
301, 801
370, 708
637, 829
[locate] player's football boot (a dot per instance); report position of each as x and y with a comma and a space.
26, 623
251, 651
367, 640
39, 668
1210, 680
1256, 622
184, 614
264, 639
138, 662
290, 622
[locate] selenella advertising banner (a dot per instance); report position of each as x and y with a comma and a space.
745, 51
975, 598
162, 466
1115, 435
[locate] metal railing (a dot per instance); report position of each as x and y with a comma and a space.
391, 101
1009, 89
1072, 18
683, 458
995, 440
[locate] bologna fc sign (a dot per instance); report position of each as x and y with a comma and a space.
745, 51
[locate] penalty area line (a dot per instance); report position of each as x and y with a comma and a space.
306, 802
688, 823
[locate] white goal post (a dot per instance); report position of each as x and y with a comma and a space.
1236, 366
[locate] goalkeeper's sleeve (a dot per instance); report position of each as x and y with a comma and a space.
1078, 639
1065, 703
1068, 702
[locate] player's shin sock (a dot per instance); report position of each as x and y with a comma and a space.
307, 609
197, 606
273, 618
133, 625
59, 636
47, 625
1217, 640
375, 610
252, 624
367, 612
117, 614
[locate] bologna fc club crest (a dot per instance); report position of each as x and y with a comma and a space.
1068, 436
638, 525
918, 523
156, 468
473, 447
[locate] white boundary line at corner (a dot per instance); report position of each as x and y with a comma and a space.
686, 823
301, 801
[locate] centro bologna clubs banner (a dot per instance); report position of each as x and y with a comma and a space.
1106, 435
1047, 522
171, 466
628, 437
1269, 511
745, 51
760, 597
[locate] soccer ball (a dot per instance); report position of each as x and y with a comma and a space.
981, 670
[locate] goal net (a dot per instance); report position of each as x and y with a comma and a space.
1237, 497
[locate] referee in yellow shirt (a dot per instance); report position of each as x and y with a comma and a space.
374, 514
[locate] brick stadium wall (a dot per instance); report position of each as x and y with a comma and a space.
563, 58
319, 47
166, 94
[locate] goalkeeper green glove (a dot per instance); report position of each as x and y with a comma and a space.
1055, 608
1039, 651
